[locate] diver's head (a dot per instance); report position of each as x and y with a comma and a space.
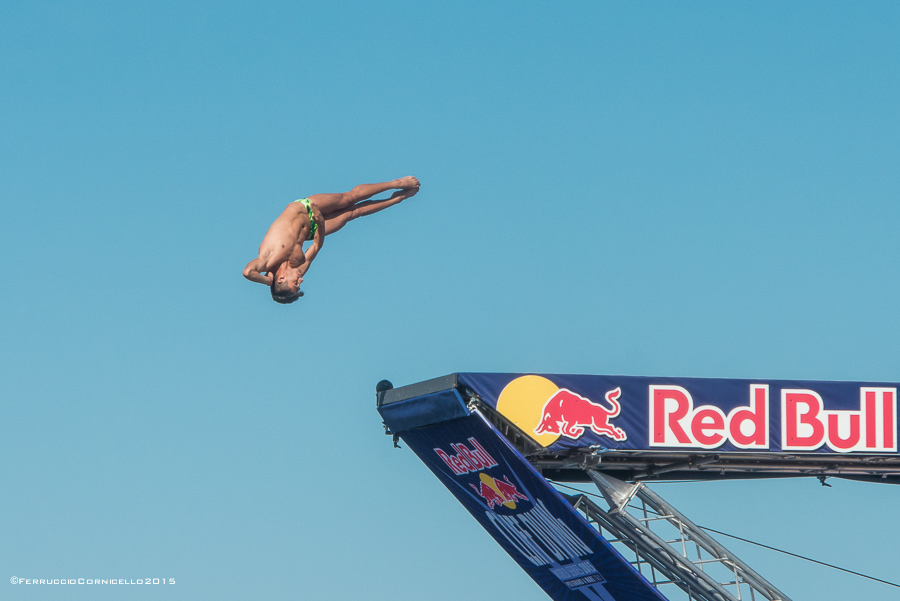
286, 284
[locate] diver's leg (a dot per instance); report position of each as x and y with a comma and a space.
335, 221
333, 203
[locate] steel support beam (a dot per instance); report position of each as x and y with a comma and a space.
671, 547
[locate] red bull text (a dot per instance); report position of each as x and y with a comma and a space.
465, 460
805, 423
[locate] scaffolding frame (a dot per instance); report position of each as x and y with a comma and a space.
668, 548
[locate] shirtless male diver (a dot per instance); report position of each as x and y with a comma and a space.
282, 262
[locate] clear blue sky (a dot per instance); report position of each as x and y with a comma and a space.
685, 189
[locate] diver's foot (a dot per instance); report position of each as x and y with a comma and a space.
408, 182
405, 193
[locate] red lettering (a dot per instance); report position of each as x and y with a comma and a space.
889, 418
871, 420
483, 454
834, 439
449, 461
708, 419
794, 401
660, 423
469, 457
461, 457
758, 417
467, 460
461, 467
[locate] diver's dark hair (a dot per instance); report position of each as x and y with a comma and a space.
285, 297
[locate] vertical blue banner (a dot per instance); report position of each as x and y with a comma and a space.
551, 541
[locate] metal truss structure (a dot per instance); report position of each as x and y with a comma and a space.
668, 548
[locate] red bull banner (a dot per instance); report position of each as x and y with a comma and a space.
644, 413
534, 524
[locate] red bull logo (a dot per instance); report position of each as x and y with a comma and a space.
467, 460
496, 492
700, 414
548, 413
568, 413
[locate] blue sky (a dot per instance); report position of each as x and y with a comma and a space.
684, 189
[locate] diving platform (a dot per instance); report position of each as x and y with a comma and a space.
496, 441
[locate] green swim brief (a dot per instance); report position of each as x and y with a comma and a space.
312, 223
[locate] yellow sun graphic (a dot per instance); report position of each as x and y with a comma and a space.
522, 402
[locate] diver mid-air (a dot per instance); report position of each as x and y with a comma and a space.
282, 262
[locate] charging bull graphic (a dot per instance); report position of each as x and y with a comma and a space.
568, 414
497, 492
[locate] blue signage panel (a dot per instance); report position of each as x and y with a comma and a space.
678, 414
567, 557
